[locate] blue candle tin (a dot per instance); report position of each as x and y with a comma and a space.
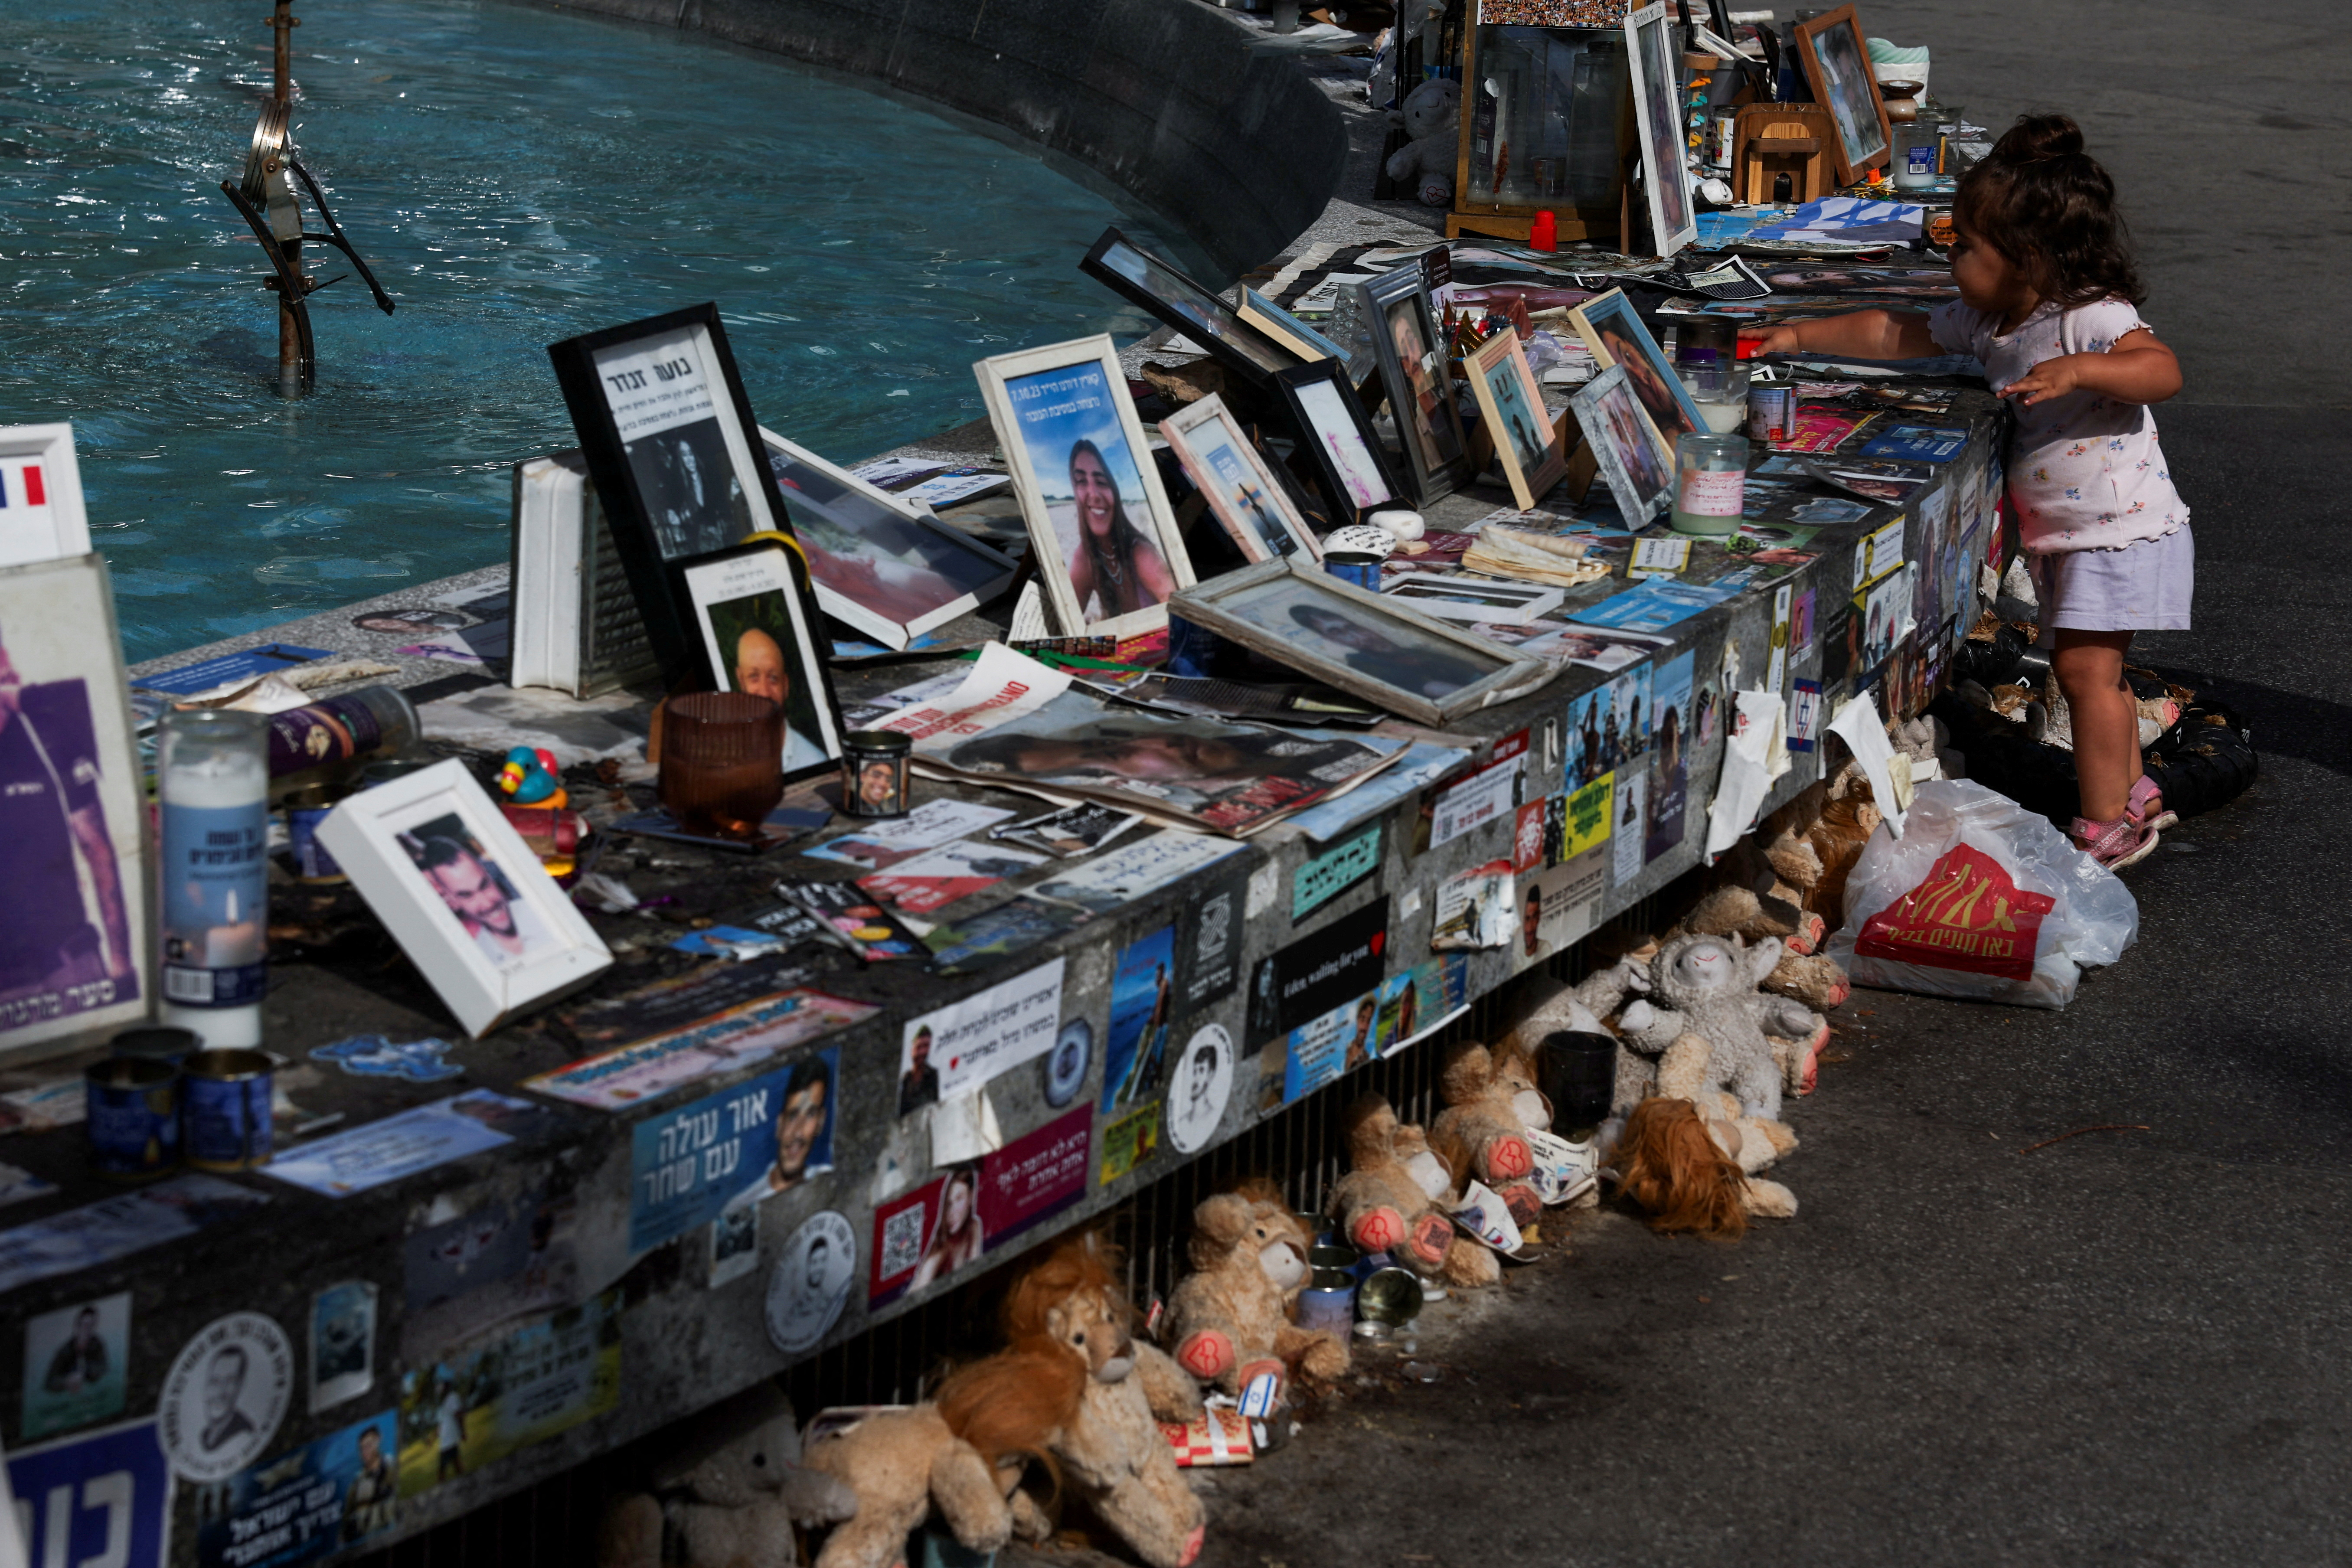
133, 1120
224, 1109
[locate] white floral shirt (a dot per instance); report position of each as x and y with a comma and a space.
2084, 470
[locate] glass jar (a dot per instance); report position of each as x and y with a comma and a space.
1710, 483
1918, 147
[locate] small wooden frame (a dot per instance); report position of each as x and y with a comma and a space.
1510, 407
1837, 68
1364, 643
1770, 139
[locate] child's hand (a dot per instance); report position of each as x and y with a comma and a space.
1771, 340
2051, 378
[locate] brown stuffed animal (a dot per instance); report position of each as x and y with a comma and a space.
1230, 1318
1787, 881
1390, 1199
731, 1491
1670, 1163
1491, 1100
1113, 1450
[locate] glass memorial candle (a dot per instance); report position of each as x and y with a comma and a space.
212, 783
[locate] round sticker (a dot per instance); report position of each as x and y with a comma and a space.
811, 1282
1066, 1070
224, 1395
1203, 1082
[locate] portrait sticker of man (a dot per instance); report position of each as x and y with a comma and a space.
803, 1127
73, 1362
224, 1383
373, 1494
919, 1084
477, 893
1204, 1081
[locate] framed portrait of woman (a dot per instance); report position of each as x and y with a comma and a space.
1328, 419
1413, 375
1108, 553
1613, 330
1239, 489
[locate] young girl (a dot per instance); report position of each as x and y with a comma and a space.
2047, 304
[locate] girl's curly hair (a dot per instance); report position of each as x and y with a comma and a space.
2043, 202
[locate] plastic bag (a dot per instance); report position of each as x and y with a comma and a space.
1981, 899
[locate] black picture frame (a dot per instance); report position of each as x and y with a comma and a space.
1191, 309
1321, 400
664, 516
1406, 289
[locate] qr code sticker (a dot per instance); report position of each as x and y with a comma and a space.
902, 1240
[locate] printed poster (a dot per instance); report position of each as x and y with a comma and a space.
1142, 992
473, 1409
737, 1037
1492, 791
118, 1226
740, 1146
955, 1049
1672, 738
104, 1496
1317, 972
299, 1506
970, 1209
379, 1151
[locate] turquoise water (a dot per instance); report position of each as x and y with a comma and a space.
514, 176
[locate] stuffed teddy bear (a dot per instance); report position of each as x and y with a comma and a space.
902, 1464
730, 1495
1396, 1198
1676, 1161
1230, 1318
1788, 880
1113, 1451
1432, 116
1707, 988
1491, 1100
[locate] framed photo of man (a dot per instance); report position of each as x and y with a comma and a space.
1413, 375
464, 896
753, 631
674, 454
77, 929
1108, 550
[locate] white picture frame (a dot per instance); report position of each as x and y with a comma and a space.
384, 838
1476, 599
728, 597
58, 634
1049, 400
1240, 491
41, 515
1651, 56
901, 540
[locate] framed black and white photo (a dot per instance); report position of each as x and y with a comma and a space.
41, 516
1655, 58
1637, 465
1197, 311
884, 568
1328, 419
1108, 550
1420, 389
77, 929
754, 634
1240, 489
1488, 599
1511, 402
463, 895
1838, 69
673, 453
1367, 645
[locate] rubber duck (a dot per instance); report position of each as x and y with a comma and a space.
532, 777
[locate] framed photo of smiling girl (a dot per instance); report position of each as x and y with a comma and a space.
1109, 554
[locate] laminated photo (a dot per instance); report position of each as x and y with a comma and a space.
343, 1343
1142, 1004
76, 1361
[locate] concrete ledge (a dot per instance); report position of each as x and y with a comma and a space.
1160, 96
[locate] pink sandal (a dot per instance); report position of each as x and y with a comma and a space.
2114, 845
2143, 791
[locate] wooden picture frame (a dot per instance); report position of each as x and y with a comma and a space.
1836, 59
1136, 274
1241, 491
1653, 58
1633, 459
406, 845
1329, 421
673, 453
1615, 333
41, 515
884, 568
1479, 208
1510, 404
1360, 643
1412, 369
1046, 403
1302, 342
748, 592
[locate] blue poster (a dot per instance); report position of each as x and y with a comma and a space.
759, 1138
104, 1496
1142, 991
1658, 603
1673, 736
299, 1506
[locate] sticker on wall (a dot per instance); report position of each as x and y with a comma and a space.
464, 1412
806, 1293
75, 1365
1203, 1081
1315, 974
1142, 1008
1130, 1141
1067, 1063
1209, 939
224, 1395
300, 1505
343, 1343
102, 1496
734, 1244
1323, 878
747, 1143
974, 1208
373, 1055
954, 1049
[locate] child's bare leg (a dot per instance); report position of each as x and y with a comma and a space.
2089, 667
